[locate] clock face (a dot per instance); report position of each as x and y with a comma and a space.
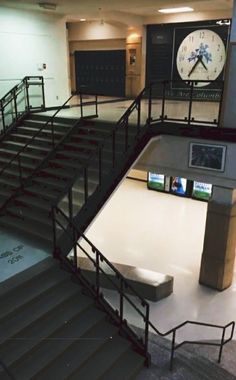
201, 56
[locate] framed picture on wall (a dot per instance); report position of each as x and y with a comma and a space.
207, 156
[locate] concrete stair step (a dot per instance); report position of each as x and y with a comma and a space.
37, 229
41, 330
126, 367
59, 173
34, 201
29, 214
50, 353
51, 182
38, 307
103, 359
80, 352
30, 289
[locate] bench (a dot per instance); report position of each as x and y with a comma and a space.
151, 285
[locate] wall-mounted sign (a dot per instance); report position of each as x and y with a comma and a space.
205, 156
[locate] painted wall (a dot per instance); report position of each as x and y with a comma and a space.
170, 155
27, 40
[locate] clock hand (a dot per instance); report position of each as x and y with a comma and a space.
200, 59
192, 69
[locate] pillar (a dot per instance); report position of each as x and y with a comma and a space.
217, 264
228, 112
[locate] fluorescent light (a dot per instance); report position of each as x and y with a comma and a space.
82, 19
175, 10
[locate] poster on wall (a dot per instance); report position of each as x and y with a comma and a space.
207, 156
156, 181
202, 190
179, 185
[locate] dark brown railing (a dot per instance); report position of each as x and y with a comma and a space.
26, 96
62, 224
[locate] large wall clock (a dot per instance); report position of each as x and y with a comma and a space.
201, 56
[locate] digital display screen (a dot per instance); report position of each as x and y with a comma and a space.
178, 185
202, 190
156, 181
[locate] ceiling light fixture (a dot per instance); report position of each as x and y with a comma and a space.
176, 10
82, 19
49, 6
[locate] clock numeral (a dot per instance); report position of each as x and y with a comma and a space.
218, 47
181, 58
213, 38
221, 58
184, 49
181, 70
202, 35
208, 77
191, 38
215, 71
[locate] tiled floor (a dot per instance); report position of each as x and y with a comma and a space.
164, 233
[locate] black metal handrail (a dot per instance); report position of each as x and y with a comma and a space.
47, 157
124, 284
121, 286
12, 97
122, 123
174, 330
163, 90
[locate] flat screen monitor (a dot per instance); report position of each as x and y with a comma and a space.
202, 190
156, 181
179, 185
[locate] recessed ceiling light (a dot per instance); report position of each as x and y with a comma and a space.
176, 10
82, 19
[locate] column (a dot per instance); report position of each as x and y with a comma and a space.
217, 264
228, 113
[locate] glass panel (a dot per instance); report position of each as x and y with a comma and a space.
132, 316
77, 195
64, 205
35, 95
21, 101
9, 113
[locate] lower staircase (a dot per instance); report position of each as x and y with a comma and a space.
51, 330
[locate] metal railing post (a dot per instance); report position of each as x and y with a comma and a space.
3, 117
121, 300
85, 184
139, 115
150, 105
20, 169
163, 100
190, 102
53, 137
27, 93
15, 103
100, 165
172, 350
43, 92
97, 275
113, 147
221, 345
81, 105
126, 133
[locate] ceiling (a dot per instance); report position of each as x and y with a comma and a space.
93, 8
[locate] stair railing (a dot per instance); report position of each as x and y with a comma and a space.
118, 313
122, 124
190, 93
61, 223
49, 123
20, 100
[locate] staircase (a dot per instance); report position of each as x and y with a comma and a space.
50, 330
60, 187
29, 210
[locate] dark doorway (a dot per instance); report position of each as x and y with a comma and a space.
100, 72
